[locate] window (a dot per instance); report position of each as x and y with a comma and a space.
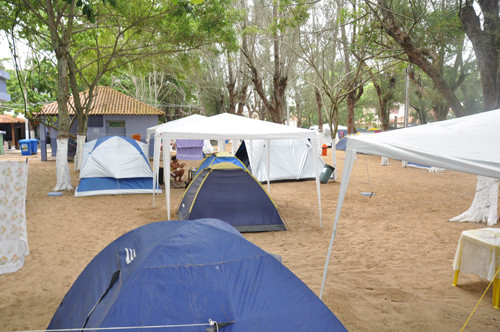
116, 124
96, 121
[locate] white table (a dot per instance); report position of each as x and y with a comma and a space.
478, 252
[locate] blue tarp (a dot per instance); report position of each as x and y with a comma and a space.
185, 273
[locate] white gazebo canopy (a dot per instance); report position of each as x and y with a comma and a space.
226, 127
468, 144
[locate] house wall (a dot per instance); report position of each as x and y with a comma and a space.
4, 76
134, 124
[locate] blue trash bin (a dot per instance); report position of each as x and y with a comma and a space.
25, 145
34, 146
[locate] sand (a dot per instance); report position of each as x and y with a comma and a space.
391, 267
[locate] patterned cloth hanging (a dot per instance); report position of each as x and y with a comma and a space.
13, 235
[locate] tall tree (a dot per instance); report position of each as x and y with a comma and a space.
483, 30
411, 26
90, 38
274, 48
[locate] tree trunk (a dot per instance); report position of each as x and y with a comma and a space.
80, 142
352, 99
383, 100
62, 167
319, 103
483, 33
440, 111
231, 85
243, 99
485, 204
298, 105
382, 105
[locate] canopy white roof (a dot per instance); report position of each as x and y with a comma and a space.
165, 126
226, 127
468, 144
230, 126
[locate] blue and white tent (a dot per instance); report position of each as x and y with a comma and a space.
115, 165
229, 192
180, 275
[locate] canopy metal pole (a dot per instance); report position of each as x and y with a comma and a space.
268, 167
407, 97
346, 174
166, 175
315, 150
156, 164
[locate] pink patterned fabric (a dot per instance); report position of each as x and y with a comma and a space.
13, 235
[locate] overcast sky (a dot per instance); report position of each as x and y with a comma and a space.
5, 51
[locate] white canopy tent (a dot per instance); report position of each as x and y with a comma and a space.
468, 144
229, 127
165, 126
291, 159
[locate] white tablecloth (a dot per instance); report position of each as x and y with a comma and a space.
478, 252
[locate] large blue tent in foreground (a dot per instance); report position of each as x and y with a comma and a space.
183, 274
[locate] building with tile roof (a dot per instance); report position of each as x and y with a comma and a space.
114, 113
13, 128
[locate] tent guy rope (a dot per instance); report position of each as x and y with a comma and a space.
210, 323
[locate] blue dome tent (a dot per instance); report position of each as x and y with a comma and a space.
115, 165
219, 157
228, 192
183, 274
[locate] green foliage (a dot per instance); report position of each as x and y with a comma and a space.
40, 79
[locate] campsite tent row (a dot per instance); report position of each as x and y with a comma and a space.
227, 127
468, 144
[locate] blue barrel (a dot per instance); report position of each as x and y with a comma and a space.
34, 145
25, 145
326, 173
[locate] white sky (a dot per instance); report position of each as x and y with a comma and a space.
5, 51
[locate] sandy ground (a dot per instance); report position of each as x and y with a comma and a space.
391, 267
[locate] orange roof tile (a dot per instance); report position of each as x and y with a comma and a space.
10, 119
109, 101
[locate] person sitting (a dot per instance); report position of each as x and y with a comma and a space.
177, 169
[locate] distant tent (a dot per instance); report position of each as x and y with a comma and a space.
341, 144
114, 165
180, 275
326, 134
289, 159
217, 158
228, 192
